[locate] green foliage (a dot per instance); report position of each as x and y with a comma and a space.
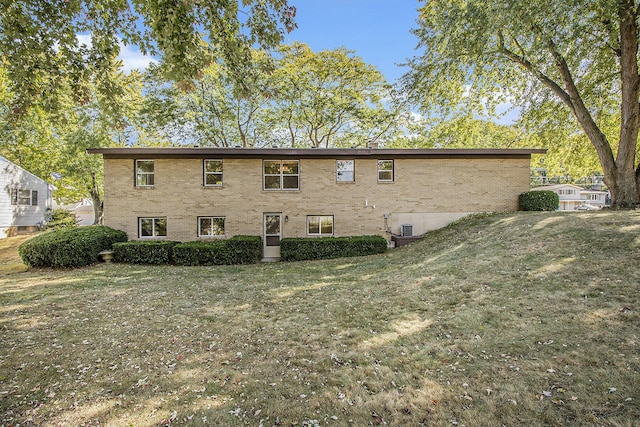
61, 218
478, 55
300, 99
144, 252
299, 249
40, 44
236, 250
247, 249
70, 247
543, 200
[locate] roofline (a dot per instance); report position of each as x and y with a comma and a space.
2, 158
204, 152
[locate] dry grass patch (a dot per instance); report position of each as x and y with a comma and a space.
10, 261
513, 319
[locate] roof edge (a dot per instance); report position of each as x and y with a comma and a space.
311, 152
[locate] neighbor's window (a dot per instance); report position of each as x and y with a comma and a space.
345, 170
320, 225
144, 173
593, 197
385, 170
24, 197
152, 227
210, 226
281, 174
213, 173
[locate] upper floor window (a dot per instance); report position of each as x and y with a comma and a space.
385, 170
210, 226
152, 227
213, 173
345, 170
281, 174
320, 225
144, 173
24, 197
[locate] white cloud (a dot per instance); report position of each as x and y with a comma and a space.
133, 59
130, 56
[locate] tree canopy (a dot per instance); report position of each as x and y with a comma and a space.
577, 56
40, 48
300, 98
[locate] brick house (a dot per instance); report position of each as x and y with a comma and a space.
206, 193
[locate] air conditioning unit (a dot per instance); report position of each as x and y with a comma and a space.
406, 230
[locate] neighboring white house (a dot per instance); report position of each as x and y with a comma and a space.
573, 197
25, 199
83, 210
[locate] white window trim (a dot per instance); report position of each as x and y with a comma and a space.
153, 227
353, 171
15, 197
393, 167
281, 175
145, 173
212, 236
319, 233
205, 173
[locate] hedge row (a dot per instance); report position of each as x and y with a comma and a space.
236, 250
300, 249
544, 200
144, 252
69, 247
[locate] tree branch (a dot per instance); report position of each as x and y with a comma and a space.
543, 78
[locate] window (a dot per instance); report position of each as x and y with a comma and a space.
281, 174
213, 173
320, 225
594, 197
345, 170
24, 197
152, 227
385, 170
144, 173
210, 226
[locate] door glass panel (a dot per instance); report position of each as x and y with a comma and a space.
272, 224
273, 240
272, 230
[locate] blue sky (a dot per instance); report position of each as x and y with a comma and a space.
377, 30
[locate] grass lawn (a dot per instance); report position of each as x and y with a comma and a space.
510, 319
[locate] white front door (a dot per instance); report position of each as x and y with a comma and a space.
272, 234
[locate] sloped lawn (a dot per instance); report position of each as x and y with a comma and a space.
512, 319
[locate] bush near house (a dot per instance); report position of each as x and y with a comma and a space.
144, 251
236, 250
544, 200
309, 248
70, 247
61, 218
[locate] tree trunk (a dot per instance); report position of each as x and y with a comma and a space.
626, 193
98, 210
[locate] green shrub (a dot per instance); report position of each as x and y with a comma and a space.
144, 251
70, 247
61, 218
236, 250
247, 249
299, 249
543, 200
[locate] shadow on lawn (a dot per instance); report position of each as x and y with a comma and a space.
456, 330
